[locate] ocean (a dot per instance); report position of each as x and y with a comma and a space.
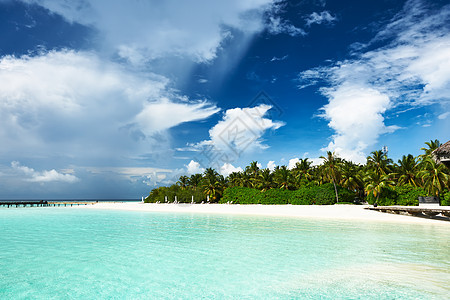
75, 253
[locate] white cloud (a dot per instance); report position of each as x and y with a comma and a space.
271, 165
227, 168
44, 176
240, 130
131, 173
412, 70
161, 115
316, 161
444, 115
293, 162
194, 167
355, 113
277, 25
279, 58
56, 102
148, 175
142, 30
320, 18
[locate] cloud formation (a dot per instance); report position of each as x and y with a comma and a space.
227, 168
412, 70
271, 165
144, 30
58, 101
293, 162
194, 167
44, 176
279, 58
240, 131
275, 24
323, 17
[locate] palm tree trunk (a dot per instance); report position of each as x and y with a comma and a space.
335, 190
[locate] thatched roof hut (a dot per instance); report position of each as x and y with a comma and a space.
442, 154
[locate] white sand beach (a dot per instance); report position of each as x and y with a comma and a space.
338, 212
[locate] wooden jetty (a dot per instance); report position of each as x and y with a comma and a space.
425, 212
41, 203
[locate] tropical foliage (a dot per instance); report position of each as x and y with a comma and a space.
336, 180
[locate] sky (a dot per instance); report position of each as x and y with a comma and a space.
106, 99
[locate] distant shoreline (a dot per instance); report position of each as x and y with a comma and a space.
335, 212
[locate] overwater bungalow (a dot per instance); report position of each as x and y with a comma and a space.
442, 154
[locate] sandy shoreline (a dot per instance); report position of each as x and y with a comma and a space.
337, 212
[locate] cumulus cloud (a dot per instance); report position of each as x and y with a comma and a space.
58, 101
44, 176
227, 168
194, 167
355, 113
271, 165
412, 70
240, 130
293, 162
143, 30
323, 17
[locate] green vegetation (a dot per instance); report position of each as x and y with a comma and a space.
337, 180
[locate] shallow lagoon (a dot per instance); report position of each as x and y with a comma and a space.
75, 253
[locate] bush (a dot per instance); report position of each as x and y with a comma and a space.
387, 197
408, 195
405, 195
302, 196
345, 195
183, 195
240, 195
445, 198
326, 195
312, 194
275, 196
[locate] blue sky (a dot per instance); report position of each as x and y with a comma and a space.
109, 99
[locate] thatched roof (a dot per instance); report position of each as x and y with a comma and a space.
444, 149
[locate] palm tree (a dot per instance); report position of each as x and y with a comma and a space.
379, 162
406, 170
317, 175
351, 176
195, 180
252, 170
264, 181
431, 146
331, 167
434, 176
221, 184
235, 179
183, 182
210, 174
283, 177
211, 183
375, 183
302, 169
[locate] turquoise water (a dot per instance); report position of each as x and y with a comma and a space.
70, 253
